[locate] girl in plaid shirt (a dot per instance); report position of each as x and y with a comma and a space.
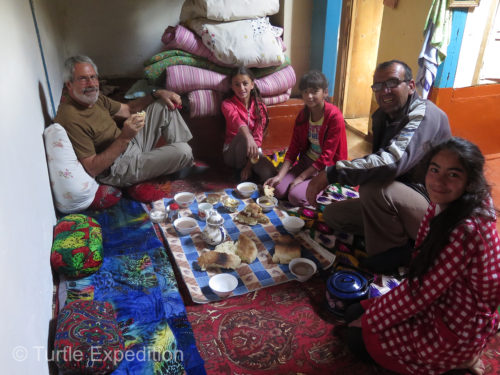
442, 316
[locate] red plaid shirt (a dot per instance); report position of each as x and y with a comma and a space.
448, 320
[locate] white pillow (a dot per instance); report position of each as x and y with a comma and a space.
253, 43
73, 188
228, 10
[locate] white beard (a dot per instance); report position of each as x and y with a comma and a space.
88, 96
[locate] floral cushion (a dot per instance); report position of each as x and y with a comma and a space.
73, 188
77, 246
88, 339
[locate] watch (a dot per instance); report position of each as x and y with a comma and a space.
153, 93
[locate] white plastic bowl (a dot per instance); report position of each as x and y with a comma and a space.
185, 225
184, 199
302, 268
246, 189
293, 224
267, 203
223, 284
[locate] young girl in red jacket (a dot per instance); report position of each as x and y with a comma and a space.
318, 140
442, 316
246, 120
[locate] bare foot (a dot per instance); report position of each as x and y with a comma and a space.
475, 366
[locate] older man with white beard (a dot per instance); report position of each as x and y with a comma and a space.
122, 157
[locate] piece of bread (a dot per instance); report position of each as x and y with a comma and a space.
215, 259
243, 219
285, 249
246, 249
252, 215
226, 247
253, 210
268, 191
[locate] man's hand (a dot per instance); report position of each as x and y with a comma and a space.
318, 183
131, 126
170, 98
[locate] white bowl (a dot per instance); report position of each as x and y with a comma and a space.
246, 189
230, 204
293, 224
157, 215
185, 225
267, 203
302, 268
223, 284
184, 199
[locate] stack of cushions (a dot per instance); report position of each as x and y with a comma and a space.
216, 36
88, 339
77, 247
73, 188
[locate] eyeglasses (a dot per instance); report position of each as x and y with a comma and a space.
390, 84
85, 79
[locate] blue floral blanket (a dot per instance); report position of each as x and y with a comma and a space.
137, 278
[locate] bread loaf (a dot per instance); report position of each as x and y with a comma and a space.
285, 249
214, 259
246, 249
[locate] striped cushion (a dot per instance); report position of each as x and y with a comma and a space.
204, 103
183, 79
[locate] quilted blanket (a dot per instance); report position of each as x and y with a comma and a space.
138, 280
156, 65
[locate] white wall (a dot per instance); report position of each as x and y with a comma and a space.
27, 214
119, 35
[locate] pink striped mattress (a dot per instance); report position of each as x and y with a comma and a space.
184, 79
204, 103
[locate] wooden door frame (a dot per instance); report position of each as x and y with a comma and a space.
343, 53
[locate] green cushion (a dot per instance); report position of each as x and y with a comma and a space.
77, 247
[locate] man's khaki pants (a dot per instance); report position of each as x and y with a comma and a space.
387, 215
141, 161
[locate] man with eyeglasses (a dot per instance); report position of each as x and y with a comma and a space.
126, 156
391, 203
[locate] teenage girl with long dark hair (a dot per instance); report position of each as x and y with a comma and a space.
442, 316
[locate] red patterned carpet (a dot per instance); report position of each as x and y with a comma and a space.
283, 330
276, 330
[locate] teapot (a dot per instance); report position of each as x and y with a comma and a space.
214, 232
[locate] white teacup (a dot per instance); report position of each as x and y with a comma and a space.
203, 209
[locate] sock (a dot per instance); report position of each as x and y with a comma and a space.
106, 196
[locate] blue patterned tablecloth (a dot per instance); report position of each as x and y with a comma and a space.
260, 274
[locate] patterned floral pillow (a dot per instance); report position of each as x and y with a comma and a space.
77, 247
88, 339
73, 188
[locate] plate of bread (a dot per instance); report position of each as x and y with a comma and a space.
251, 215
229, 254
